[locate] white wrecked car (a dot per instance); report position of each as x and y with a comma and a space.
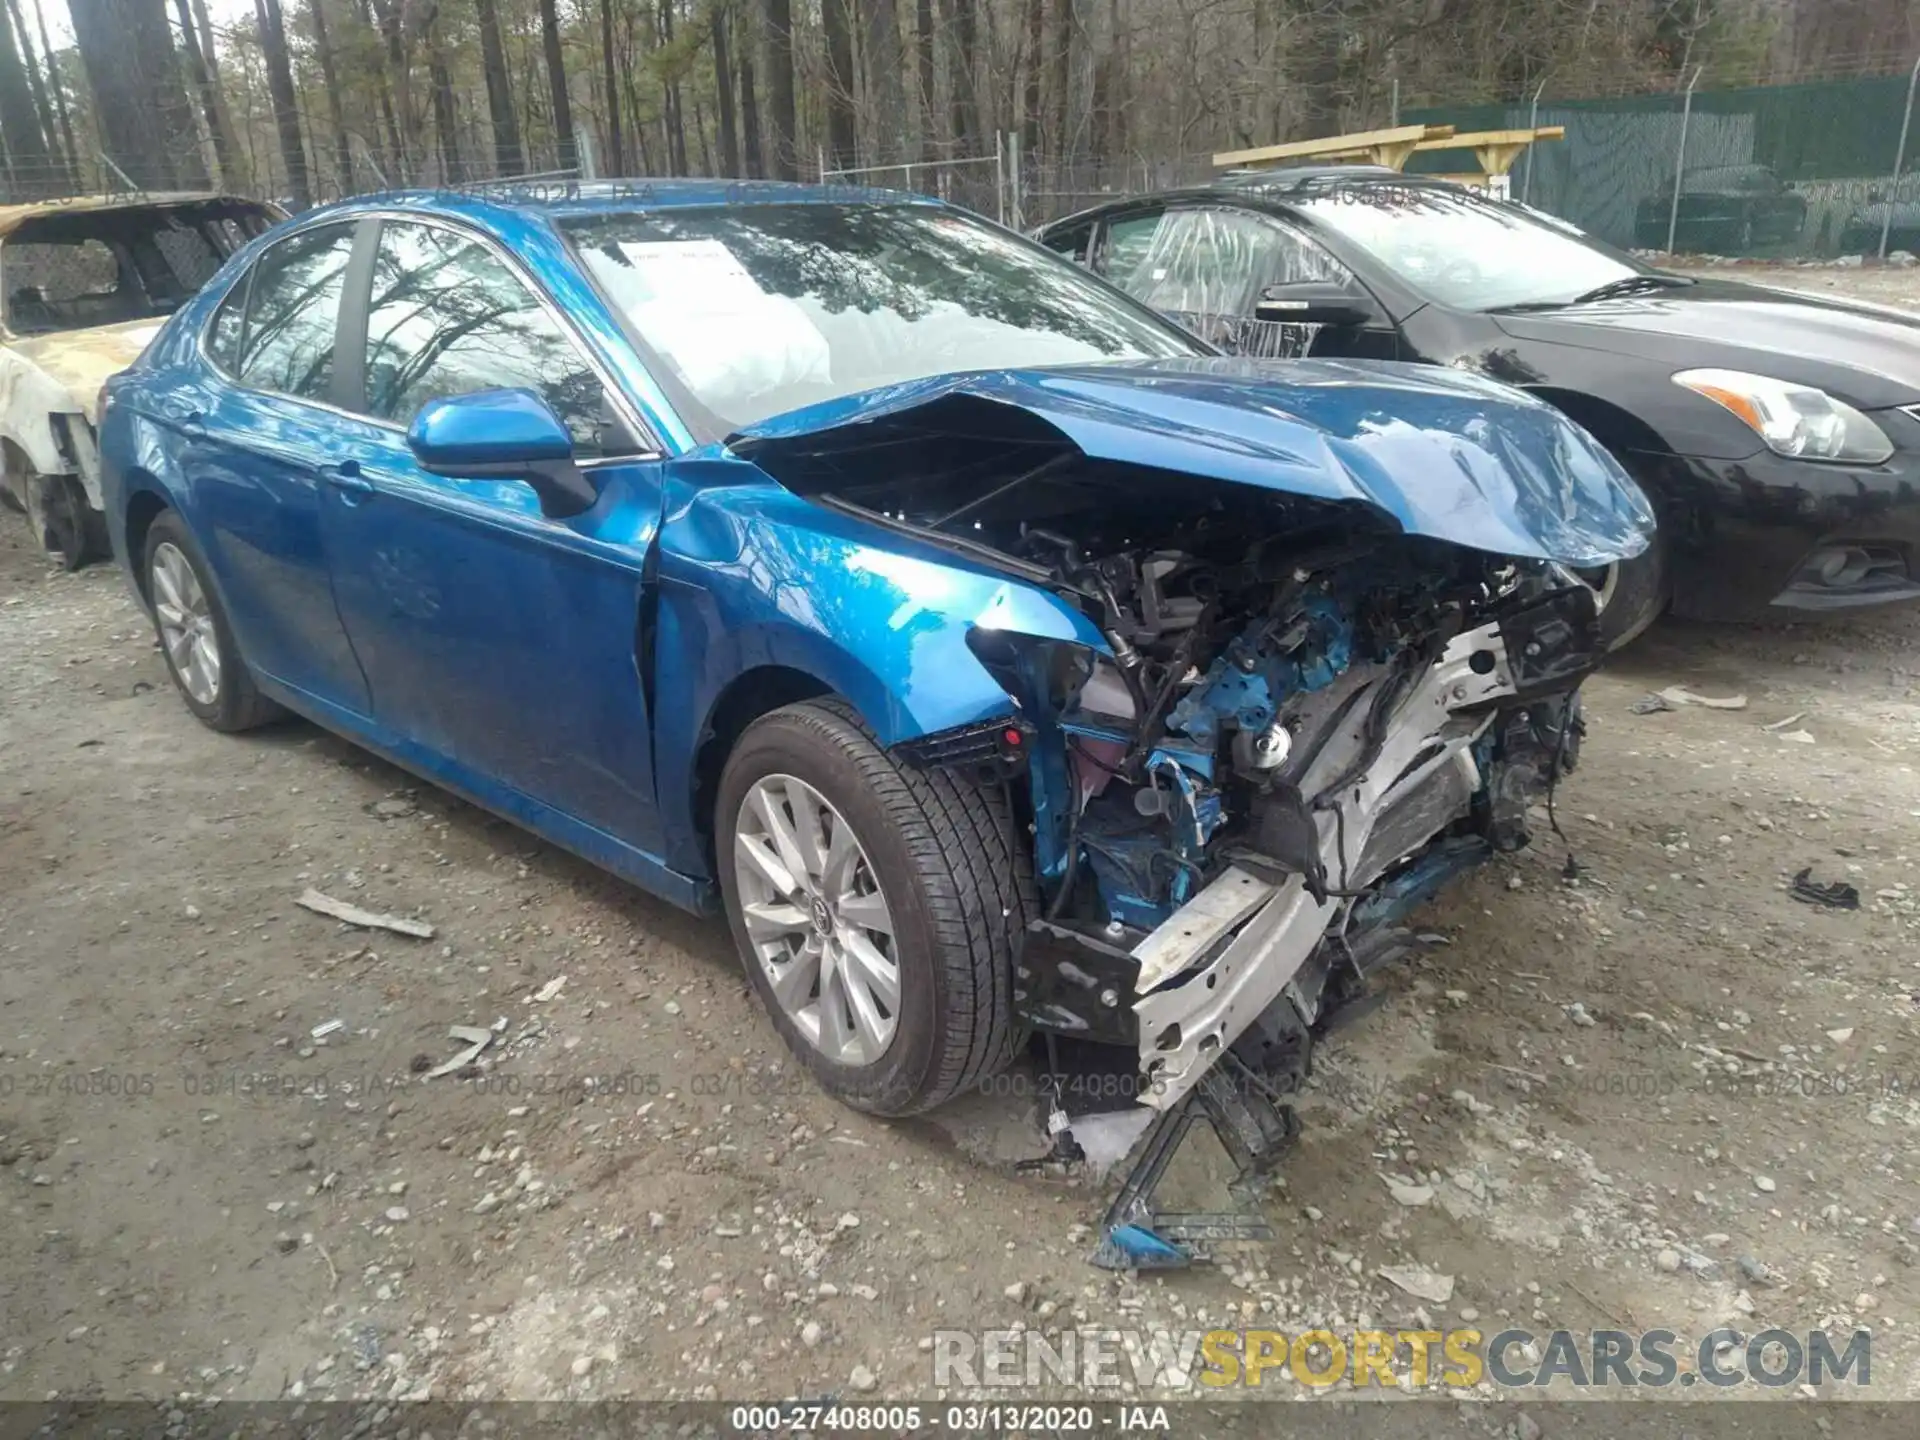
84, 285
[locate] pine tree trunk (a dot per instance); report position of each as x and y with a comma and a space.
31, 161
142, 116
59, 95
446, 119
675, 122
782, 131
336, 112
400, 70
962, 68
723, 92
754, 157
616, 152
60, 163
506, 128
837, 33
557, 86
929, 85
1060, 82
286, 113
885, 82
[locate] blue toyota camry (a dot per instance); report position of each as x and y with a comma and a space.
997, 657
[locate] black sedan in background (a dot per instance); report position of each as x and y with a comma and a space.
1777, 434
1726, 210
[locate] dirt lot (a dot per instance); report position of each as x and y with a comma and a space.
1666, 1094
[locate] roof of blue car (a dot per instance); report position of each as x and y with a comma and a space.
564, 198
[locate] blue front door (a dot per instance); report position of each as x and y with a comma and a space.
493, 637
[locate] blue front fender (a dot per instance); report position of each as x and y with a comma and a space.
752, 577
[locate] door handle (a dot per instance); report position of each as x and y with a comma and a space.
346, 478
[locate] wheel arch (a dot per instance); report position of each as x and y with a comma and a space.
1619, 429
145, 504
746, 698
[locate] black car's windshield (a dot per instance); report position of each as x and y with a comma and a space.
1466, 251
760, 309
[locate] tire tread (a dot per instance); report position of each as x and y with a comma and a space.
963, 845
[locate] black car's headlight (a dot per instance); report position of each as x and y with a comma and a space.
1794, 420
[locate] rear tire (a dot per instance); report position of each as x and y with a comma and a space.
200, 652
938, 858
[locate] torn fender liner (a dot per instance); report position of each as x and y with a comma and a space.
1442, 453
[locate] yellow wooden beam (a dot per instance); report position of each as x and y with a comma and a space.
1496, 150
1473, 139
1390, 146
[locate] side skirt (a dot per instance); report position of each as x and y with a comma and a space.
588, 842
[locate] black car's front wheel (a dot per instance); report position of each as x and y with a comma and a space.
1630, 594
195, 635
877, 909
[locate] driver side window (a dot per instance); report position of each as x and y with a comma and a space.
448, 317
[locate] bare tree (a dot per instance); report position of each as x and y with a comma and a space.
330, 81
782, 131
755, 157
27, 154
717, 21
556, 85
836, 27
963, 69
59, 93
616, 157
141, 113
506, 126
886, 88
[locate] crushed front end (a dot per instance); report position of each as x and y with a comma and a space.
1339, 652
1302, 727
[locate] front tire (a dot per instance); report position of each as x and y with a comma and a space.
1631, 594
878, 909
195, 635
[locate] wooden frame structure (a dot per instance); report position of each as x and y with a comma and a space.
1496, 150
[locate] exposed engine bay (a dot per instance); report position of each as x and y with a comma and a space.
1307, 723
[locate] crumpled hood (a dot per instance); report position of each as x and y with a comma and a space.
79, 361
1443, 453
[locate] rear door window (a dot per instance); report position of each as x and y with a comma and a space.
293, 312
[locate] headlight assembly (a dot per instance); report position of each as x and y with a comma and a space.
1794, 420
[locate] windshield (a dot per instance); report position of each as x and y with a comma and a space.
1465, 251
761, 309
74, 269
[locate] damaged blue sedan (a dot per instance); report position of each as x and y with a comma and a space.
998, 658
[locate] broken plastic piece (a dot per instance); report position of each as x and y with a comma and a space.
1252, 1128
471, 1036
366, 919
1835, 896
1680, 695
326, 1028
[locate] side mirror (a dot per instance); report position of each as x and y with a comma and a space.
1314, 302
502, 435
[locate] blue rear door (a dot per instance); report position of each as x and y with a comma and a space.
258, 436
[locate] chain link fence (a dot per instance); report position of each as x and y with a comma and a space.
1811, 171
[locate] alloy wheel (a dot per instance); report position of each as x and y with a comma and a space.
186, 624
1603, 581
817, 920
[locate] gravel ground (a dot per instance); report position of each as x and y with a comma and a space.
1665, 1094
